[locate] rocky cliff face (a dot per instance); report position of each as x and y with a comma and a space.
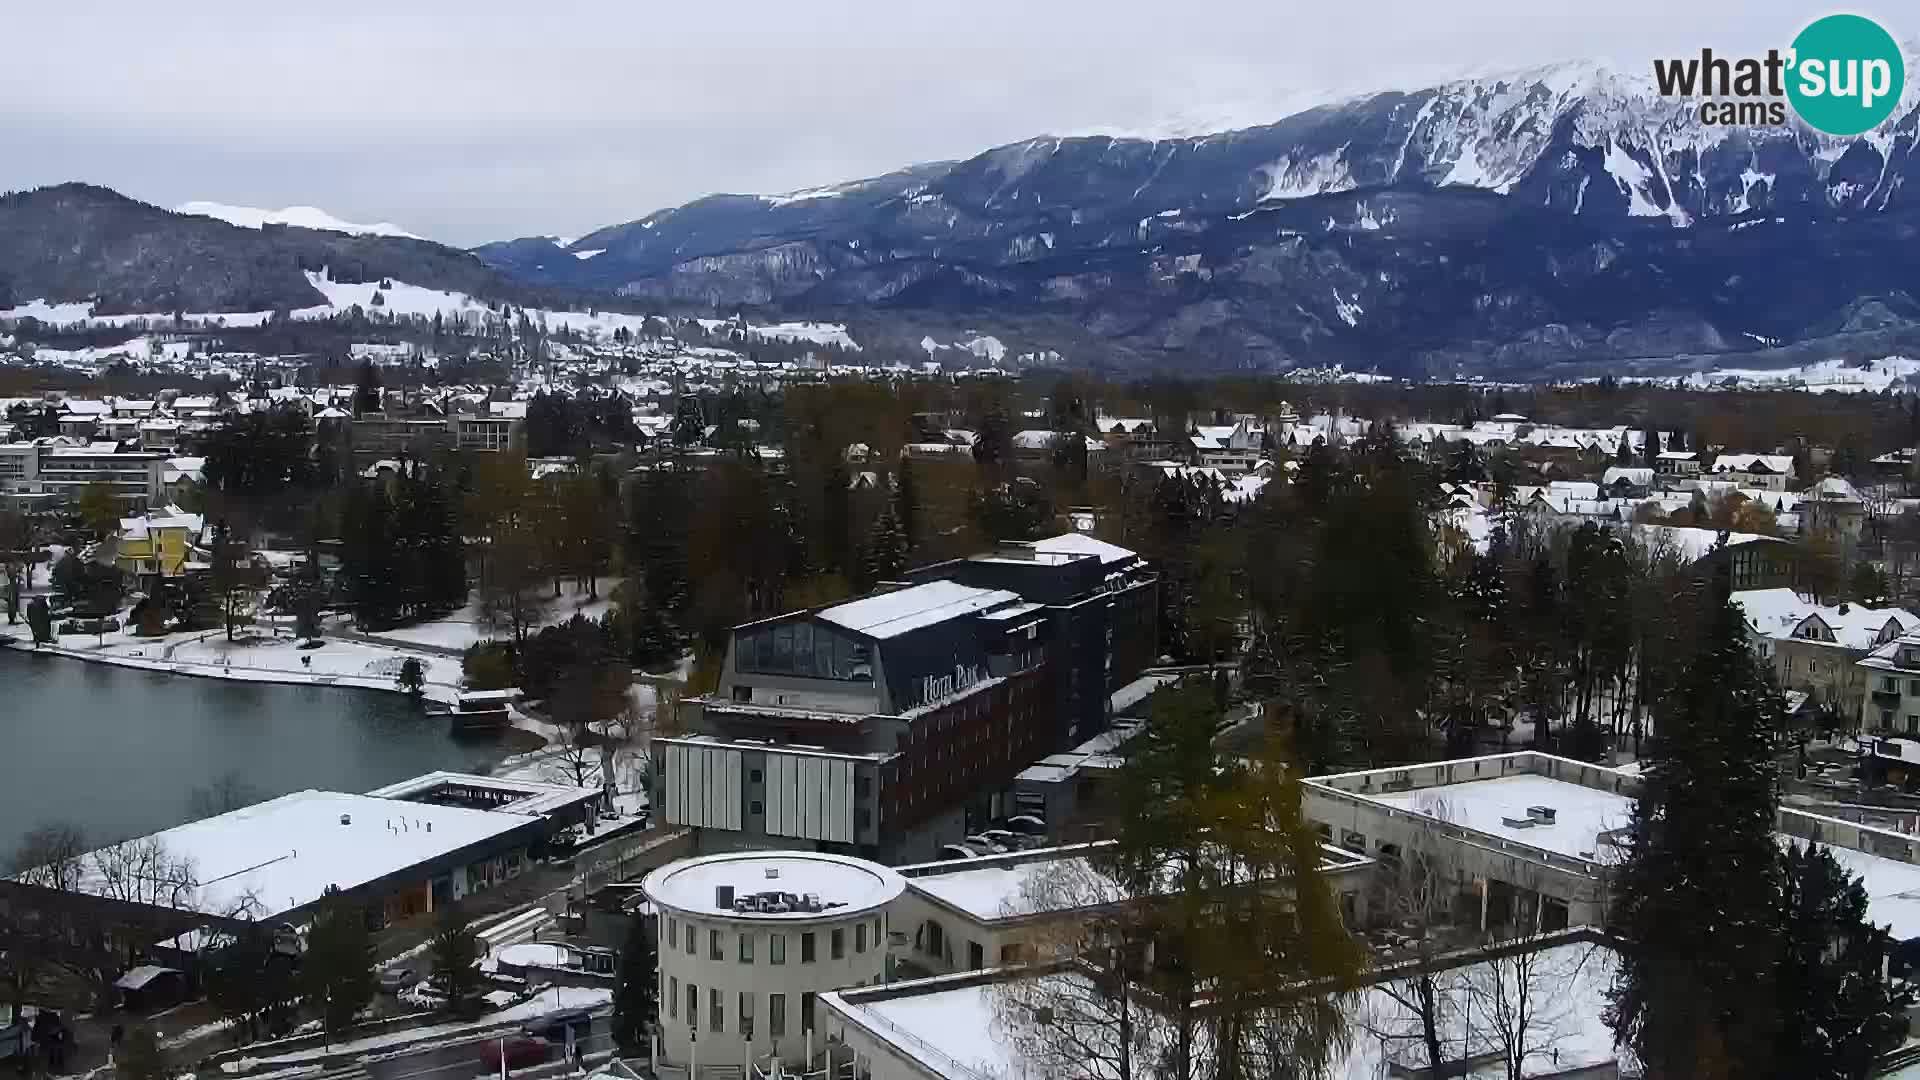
1566, 217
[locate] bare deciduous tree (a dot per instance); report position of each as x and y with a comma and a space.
1418, 893
1521, 1003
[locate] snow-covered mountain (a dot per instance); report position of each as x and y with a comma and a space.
299, 217
1509, 222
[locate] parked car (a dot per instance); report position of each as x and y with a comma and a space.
1029, 824
984, 846
956, 851
520, 1051
1009, 841
395, 979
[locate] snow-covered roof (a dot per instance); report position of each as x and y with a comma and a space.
531, 798
1776, 464
138, 978
1081, 544
890, 614
1779, 612
1834, 489
853, 885
1582, 813
1695, 544
1636, 477
283, 853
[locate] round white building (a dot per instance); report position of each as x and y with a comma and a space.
748, 939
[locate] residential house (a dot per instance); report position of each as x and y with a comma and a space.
1624, 482
1771, 472
156, 545
1818, 648
1681, 463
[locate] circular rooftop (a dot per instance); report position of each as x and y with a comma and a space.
810, 885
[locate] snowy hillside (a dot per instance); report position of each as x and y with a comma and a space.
301, 217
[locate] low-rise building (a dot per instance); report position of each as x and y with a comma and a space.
996, 910
1770, 472
136, 477
156, 545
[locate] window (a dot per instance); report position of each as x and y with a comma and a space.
754, 807
746, 1015
742, 693
1889, 685
776, 1015
693, 1006
1012, 954
976, 956
839, 943
673, 996
753, 776
776, 948
713, 946
689, 936
746, 948
860, 938
806, 1011
806, 947
717, 1012
1913, 687
673, 934
933, 937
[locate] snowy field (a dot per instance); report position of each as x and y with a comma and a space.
208, 654
469, 624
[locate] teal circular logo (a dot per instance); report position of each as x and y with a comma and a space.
1846, 75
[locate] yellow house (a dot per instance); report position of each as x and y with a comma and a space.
156, 545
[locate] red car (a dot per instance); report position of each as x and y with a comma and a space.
520, 1050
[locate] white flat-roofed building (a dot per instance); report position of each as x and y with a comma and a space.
982, 1025
1528, 835
747, 941
972, 914
133, 476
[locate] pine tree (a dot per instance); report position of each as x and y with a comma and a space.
455, 950
366, 389
1697, 897
336, 972
886, 548
1838, 1011
906, 504
636, 1002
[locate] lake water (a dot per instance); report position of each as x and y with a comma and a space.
119, 751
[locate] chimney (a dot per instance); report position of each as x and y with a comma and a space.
723, 897
346, 819
772, 872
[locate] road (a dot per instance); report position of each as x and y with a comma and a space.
461, 1061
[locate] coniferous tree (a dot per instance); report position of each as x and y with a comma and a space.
1838, 1010
366, 389
636, 1002
455, 949
886, 548
1697, 898
906, 504
336, 971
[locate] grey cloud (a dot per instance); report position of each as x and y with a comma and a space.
484, 120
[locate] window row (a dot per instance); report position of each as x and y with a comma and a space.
716, 1006
865, 934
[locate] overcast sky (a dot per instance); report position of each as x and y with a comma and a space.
483, 120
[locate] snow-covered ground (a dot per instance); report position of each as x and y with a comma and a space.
549, 1000
208, 654
1836, 376
469, 624
302, 217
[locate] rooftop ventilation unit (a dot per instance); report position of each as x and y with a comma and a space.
1512, 822
1545, 815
